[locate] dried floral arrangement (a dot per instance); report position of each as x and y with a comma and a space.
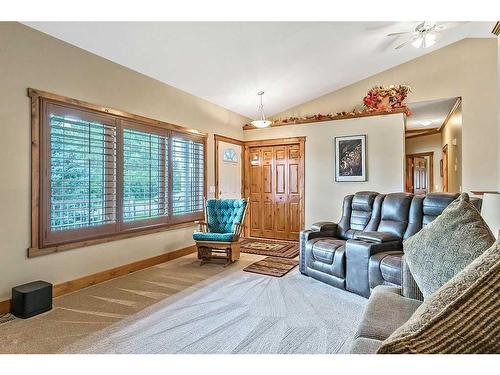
379, 99
387, 98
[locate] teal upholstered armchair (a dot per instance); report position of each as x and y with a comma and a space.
218, 235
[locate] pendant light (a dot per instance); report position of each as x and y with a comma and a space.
261, 122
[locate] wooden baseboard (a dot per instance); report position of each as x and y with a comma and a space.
99, 277
4, 306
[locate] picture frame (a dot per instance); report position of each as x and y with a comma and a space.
350, 158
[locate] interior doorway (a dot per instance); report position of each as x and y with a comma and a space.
274, 182
435, 126
419, 173
444, 168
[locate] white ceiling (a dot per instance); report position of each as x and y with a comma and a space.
227, 63
431, 110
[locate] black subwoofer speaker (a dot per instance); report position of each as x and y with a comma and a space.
31, 299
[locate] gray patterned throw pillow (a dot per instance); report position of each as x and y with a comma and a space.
447, 245
463, 316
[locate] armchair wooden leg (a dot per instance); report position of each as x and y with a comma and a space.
229, 252
234, 251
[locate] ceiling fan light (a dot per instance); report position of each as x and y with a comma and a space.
429, 40
261, 123
417, 43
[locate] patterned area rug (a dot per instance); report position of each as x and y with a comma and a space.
272, 266
279, 249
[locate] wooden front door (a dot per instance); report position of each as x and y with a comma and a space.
274, 181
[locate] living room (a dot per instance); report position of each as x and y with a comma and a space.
217, 188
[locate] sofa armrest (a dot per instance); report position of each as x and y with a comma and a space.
409, 286
390, 261
358, 255
305, 236
322, 226
378, 237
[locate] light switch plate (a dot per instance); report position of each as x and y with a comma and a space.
211, 189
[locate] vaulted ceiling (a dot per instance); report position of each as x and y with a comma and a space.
228, 63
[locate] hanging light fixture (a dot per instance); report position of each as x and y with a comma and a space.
426, 40
261, 122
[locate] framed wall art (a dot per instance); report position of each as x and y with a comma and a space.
350, 158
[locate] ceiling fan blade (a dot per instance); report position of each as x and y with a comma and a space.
404, 44
440, 26
400, 33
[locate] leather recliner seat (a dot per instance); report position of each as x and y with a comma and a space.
323, 247
365, 248
385, 267
388, 236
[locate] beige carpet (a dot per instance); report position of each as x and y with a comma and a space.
180, 307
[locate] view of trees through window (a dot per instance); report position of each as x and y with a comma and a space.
82, 173
95, 169
145, 175
188, 182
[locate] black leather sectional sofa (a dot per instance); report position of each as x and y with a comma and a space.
364, 249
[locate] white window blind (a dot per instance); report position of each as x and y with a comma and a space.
101, 175
82, 173
187, 176
145, 175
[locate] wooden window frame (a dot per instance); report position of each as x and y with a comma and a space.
39, 194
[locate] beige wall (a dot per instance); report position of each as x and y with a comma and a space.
468, 69
429, 143
451, 135
29, 58
385, 160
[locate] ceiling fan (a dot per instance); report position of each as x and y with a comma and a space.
425, 34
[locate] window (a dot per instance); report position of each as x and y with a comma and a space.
82, 173
145, 175
102, 174
187, 176
230, 155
